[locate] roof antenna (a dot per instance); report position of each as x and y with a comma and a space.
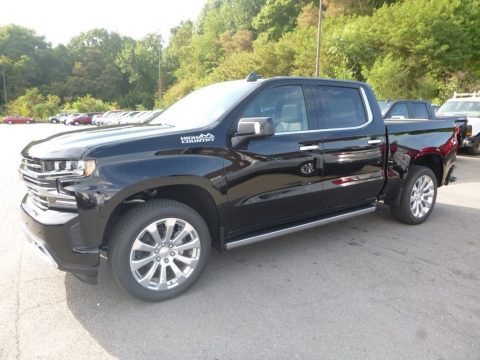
253, 76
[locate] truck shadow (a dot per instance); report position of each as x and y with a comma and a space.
265, 279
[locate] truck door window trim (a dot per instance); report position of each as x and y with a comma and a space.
366, 105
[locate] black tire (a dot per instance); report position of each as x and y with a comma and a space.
475, 149
28, 122
54, 121
131, 225
76, 123
401, 209
10, 122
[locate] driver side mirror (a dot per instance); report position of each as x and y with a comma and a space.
254, 127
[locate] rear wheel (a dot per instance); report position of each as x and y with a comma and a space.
76, 123
475, 149
10, 122
159, 249
418, 197
54, 121
27, 122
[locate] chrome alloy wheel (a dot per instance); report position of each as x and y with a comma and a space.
165, 254
421, 198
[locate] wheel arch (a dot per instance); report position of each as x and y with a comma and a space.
432, 161
192, 195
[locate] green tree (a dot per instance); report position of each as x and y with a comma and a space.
34, 104
139, 62
88, 103
278, 17
94, 70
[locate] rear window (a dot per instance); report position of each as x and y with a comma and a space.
339, 107
420, 111
399, 110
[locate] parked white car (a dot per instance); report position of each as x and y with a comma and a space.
55, 119
153, 114
466, 104
98, 120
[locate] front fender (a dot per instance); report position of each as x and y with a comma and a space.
115, 181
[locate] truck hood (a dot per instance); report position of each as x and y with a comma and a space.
73, 144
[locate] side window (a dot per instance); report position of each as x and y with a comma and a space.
339, 107
284, 104
399, 109
420, 111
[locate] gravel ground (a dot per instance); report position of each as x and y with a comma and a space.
366, 288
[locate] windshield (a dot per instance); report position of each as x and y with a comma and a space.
467, 108
204, 106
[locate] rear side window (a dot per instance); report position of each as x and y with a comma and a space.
339, 107
399, 109
420, 111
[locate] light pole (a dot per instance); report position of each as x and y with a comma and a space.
319, 36
159, 69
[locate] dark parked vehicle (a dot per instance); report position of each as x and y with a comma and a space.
17, 119
421, 109
228, 165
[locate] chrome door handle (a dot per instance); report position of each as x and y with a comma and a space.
309, 147
374, 141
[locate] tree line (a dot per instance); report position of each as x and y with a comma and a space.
403, 48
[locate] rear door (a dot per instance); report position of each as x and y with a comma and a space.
353, 144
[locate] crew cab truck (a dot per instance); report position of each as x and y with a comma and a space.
228, 165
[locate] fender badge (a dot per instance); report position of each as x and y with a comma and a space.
202, 138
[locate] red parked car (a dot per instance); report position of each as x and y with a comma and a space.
82, 119
17, 119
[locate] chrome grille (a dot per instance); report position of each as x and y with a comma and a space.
42, 187
32, 165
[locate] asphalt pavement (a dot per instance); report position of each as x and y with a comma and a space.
365, 288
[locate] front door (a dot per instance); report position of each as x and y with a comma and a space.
275, 179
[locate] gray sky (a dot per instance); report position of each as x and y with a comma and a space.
59, 20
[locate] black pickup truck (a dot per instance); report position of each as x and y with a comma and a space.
228, 165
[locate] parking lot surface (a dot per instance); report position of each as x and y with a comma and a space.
366, 288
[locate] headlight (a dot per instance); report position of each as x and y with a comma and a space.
70, 167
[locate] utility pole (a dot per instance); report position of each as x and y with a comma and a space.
4, 87
159, 69
319, 36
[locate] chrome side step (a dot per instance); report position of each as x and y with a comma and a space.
300, 227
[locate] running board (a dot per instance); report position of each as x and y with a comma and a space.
300, 227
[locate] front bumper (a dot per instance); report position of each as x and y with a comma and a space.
57, 237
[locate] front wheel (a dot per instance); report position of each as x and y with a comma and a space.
159, 249
418, 197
